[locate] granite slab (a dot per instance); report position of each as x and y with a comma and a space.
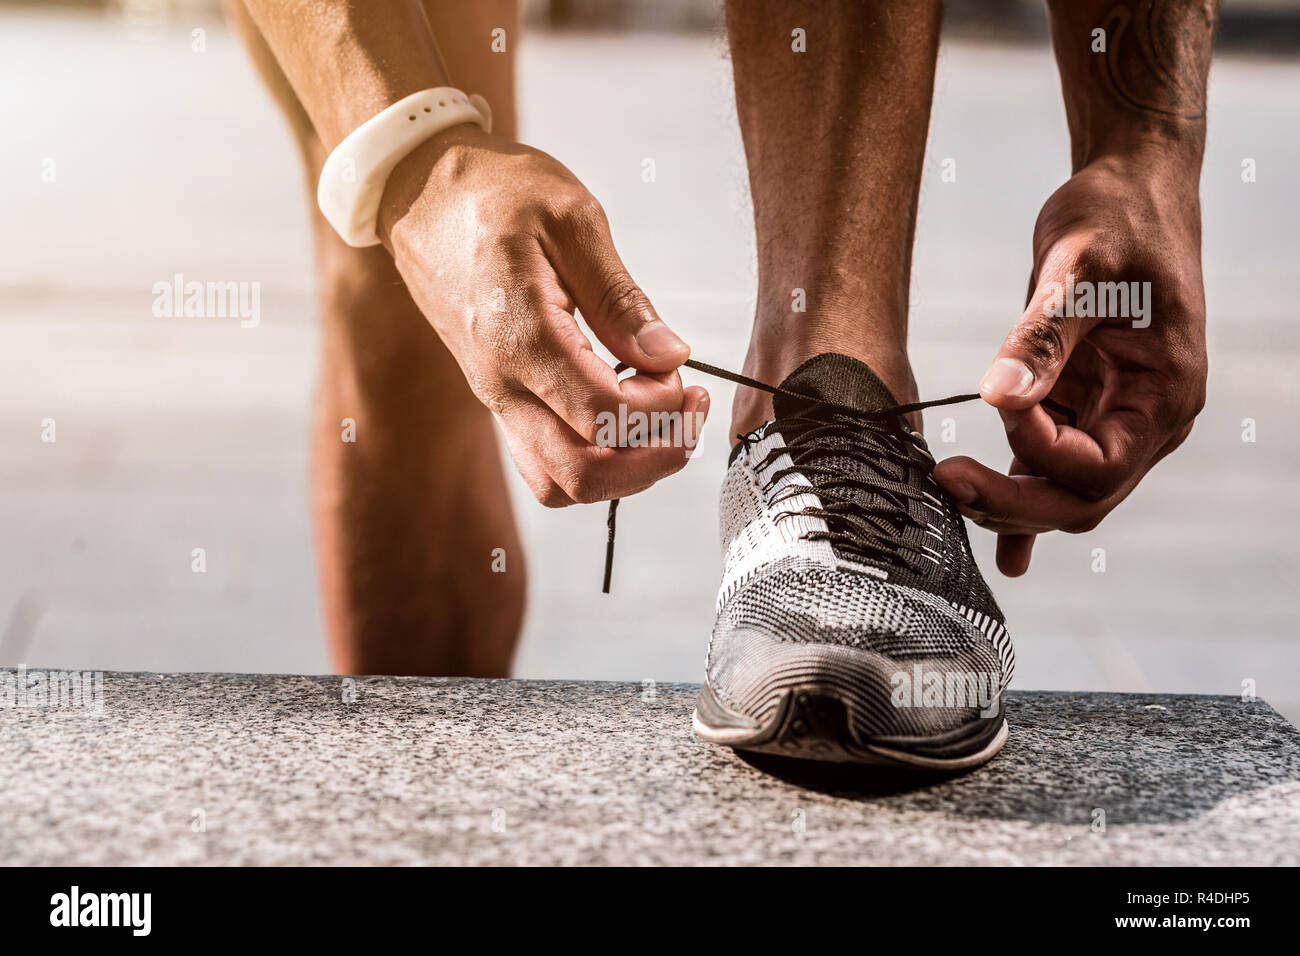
277, 769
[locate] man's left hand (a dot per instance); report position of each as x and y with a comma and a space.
1136, 380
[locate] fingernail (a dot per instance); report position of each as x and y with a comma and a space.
656, 339
1008, 376
695, 425
963, 493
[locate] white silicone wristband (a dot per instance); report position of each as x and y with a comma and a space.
353, 178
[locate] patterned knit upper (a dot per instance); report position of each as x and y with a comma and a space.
835, 535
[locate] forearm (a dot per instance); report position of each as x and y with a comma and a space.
1144, 94
347, 60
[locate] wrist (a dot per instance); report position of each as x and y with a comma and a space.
1172, 155
1151, 167
419, 170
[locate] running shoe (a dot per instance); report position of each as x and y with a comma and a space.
853, 624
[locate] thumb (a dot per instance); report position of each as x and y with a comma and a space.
1031, 358
613, 305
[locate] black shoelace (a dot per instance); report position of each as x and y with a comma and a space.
881, 440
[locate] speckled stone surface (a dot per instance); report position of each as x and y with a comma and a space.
236, 769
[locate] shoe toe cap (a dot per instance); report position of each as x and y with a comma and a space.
884, 696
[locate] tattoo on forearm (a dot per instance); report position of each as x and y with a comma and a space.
1158, 54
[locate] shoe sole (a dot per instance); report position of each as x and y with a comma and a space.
812, 725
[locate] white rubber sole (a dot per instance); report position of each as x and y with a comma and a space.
773, 739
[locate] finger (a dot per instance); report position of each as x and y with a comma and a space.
1033, 354
1095, 463
591, 399
1014, 551
531, 469
613, 305
542, 352
588, 473
1018, 504
697, 399
672, 428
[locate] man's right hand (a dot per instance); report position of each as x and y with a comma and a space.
498, 244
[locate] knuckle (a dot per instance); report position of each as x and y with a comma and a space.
577, 211
1041, 340
1195, 378
1097, 487
1084, 524
1098, 259
496, 395
1187, 359
993, 522
582, 484
549, 494
544, 489
983, 512
585, 210
1179, 434
579, 407
1097, 482
1182, 390
623, 303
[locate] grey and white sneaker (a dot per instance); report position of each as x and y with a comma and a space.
852, 621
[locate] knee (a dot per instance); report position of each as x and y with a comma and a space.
373, 335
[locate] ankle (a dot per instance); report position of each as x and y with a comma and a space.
752, 408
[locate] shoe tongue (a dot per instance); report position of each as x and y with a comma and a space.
854, 468
832, 377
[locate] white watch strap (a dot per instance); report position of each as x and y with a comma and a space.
353, 178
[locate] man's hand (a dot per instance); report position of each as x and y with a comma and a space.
498, 244
1136, 381
1133, 77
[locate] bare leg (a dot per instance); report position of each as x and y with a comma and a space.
835, 138
409, 515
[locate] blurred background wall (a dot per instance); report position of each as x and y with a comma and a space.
129, 157
1259, 24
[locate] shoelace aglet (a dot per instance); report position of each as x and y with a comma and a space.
609, 544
